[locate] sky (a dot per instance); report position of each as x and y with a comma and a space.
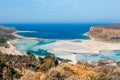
22, 11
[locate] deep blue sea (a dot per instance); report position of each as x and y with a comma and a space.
52, 33
54, 30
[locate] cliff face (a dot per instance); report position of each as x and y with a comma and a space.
105, 33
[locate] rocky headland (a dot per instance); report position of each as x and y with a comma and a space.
109, 33
6, 32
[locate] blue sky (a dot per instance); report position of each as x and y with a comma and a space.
59, 11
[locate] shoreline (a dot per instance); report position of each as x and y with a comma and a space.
10, 43
71, 58
25, 31
84, 46
11, 50
15, 51
22, 37
91, 38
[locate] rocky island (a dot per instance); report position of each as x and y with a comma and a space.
109, 33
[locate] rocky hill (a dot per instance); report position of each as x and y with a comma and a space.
6, 32
105, 33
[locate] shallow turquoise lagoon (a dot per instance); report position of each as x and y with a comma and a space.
111, 54
31, 45
87, 57
36, 46
103, 55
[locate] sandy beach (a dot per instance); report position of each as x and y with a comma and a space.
11, 50
95, 46
85, 46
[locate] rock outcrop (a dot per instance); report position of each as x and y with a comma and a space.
105, 33
7, 33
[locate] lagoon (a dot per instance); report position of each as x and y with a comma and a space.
60, 39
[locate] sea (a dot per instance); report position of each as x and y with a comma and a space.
50, 33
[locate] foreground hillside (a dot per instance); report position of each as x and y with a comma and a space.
105, 33
29, 67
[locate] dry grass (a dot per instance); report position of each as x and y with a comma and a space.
66, 71
31, 75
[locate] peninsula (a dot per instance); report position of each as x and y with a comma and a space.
109, 33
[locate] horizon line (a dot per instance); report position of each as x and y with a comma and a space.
55, 22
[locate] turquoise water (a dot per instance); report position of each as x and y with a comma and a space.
103, 55
51, 33
36, 45
47, 47
32, 45
88, 57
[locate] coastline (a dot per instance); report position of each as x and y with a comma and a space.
69, 57
90, 46
91, 38
11, 50
22, 37
26, 31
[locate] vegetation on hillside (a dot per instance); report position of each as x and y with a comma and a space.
29, 67
25, 62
